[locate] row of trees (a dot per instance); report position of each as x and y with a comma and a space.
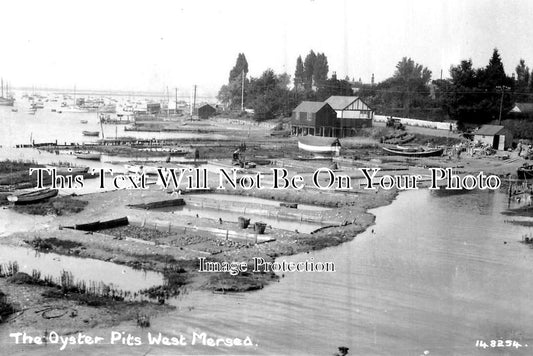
470, 95
271, 94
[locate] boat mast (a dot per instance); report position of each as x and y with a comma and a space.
2, 88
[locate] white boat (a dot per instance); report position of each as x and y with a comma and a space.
320, 145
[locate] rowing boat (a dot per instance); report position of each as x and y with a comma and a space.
89, 155
32, 197
413, 151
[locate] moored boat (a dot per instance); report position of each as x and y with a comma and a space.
88, 155
84, 121
413, 151
91, 133
32, 197
64, 171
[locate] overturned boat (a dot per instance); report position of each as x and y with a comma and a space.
413, 151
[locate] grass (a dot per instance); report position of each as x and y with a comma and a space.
52, 243
62, 205
6, 309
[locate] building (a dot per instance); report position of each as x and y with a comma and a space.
314, 118
522, 111
206, 111
352, 112
498, 137
153, 108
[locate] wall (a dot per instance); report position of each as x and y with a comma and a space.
421, 123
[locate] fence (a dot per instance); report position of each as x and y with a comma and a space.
420, 123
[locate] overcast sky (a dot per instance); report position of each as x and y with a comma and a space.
151, 45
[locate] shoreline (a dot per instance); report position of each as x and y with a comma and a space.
101, 247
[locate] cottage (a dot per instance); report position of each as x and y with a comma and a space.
498, 137
352, 112
206, 111
314, 118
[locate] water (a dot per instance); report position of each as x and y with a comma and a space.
83, 269
435, 275
47, 126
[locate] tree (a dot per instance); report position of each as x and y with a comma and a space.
241, 66
299, 73
411, 80
269, 95
309, 69
230, 94
333, 86
522, 82
320, 69
475, 95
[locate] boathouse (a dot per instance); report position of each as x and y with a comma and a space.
206, 111
352, 112
314, 118
496, 136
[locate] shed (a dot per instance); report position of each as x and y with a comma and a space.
352, 113
497, 136
314, 118
522, 111
206, 111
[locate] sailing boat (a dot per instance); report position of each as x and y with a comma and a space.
5, 101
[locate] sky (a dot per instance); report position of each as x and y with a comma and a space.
154, 45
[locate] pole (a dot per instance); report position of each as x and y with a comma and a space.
502, 87
242, 92
176, 101
193, 102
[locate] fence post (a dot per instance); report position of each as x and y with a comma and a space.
144, 222
169, 226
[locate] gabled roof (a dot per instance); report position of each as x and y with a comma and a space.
310, 106
523, 108
490, 130
341, 102
207, 105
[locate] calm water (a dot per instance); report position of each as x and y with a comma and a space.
87, 269
434, 276
47, 126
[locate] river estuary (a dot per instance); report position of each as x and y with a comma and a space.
434, 275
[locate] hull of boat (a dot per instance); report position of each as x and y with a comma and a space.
90, 156
7, 102
318, 149
91, 133
407, 153
32, 197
